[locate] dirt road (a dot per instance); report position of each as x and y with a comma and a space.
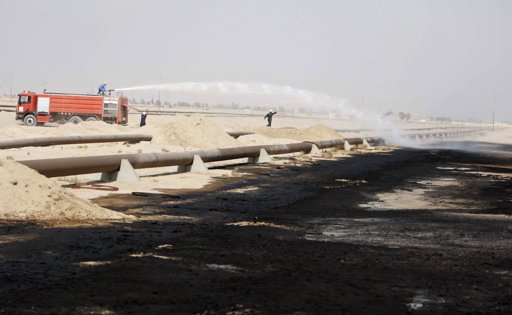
396, 232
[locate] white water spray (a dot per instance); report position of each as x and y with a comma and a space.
265, 95
262, 94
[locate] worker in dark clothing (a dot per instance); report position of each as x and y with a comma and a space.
143, 118
268, 117
102, 88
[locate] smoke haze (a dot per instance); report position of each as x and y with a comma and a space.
432, 58
247, 94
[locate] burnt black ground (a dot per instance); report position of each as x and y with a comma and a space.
385, 262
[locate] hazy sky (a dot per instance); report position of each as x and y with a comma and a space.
441, 58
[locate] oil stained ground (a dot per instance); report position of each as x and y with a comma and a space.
408, 231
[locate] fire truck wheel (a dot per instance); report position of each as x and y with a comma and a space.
30, 120
75, 120
92, 119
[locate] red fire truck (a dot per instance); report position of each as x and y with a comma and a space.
39, 108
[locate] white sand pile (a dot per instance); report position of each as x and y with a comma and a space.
19, 131
317, 132
28, 195
194, 131
85, 128
256, 139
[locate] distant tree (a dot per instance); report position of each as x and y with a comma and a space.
402, 116
443, 119
142, 101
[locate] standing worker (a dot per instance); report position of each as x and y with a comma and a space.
143, 118
268, 116
102, 88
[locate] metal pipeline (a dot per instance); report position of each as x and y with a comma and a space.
111, 163
407, 129
40, 142
444, 133
8, 108
339, 142
46, 141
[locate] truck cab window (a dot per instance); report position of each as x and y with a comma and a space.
24, 99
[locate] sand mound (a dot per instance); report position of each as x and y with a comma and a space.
317, 132
257, 139
85, 128
194, 131
19, 131
27, 195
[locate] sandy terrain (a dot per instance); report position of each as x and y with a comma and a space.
421, 230
63, 201
170, 133
41, 199
183, 131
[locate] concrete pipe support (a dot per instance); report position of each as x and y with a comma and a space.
111, 163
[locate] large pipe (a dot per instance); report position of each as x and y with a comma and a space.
46, 141
445, 133
111, 163
339, 142
7, 108
407, 129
